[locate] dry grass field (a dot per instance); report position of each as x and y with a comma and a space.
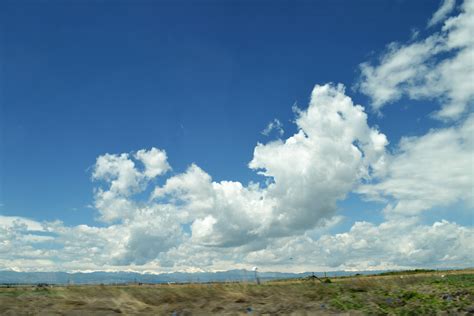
440, 293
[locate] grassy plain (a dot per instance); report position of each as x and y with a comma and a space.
433, 293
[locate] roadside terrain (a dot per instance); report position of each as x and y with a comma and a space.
399, 293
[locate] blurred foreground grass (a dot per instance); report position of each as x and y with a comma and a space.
449, 293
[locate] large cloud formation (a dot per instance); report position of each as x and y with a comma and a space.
192, 222
333, 150
283, 222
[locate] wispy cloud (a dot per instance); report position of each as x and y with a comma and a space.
274, 125
446, 7
438, 67
426, 171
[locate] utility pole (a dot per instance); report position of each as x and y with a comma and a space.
256, 275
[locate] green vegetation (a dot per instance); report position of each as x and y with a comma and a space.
405, 272
395, 294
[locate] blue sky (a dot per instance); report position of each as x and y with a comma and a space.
202, 80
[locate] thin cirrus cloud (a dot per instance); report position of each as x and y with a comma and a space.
192, 222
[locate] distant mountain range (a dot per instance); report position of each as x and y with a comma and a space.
13, 277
